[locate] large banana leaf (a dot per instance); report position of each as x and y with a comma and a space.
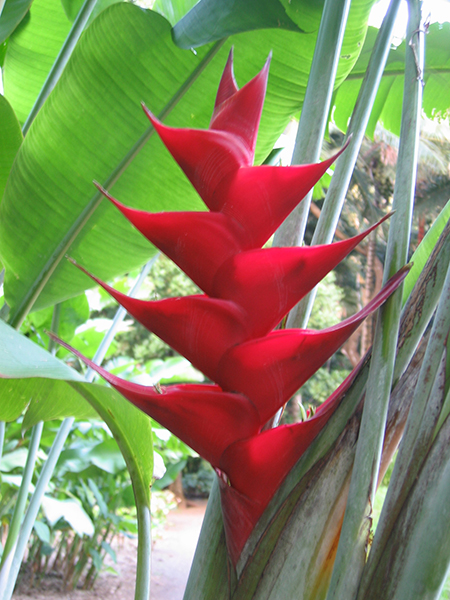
387, 107
92, 120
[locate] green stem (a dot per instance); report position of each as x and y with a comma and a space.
19, 508
21, 310
61, 61
34, 506
337, 191
418, 435
142, 590
316, 105
355, 530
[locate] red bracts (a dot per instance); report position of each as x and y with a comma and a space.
228, 332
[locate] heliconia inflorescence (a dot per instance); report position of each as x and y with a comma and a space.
227, 333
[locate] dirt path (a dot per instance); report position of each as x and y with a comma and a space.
172, 554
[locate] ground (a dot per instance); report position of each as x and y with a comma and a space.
172, 553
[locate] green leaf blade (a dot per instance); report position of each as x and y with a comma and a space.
10, 141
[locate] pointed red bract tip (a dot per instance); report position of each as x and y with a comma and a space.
205, 155
203, 416
240, 113
200, 328
227, 86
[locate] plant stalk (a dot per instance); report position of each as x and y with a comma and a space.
144, 550
351, 554
334, 200
418, 435
19, 508
61, 61
118, 318
316, 106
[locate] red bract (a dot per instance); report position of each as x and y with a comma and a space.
227, 333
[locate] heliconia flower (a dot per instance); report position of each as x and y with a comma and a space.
227, 333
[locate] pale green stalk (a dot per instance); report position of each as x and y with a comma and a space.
34, 506
61, 60
418, 434
118, 318
351, 552
144, 552
19, 508
316, 106
334, 200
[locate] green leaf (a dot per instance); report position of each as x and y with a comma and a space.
131, 428
21, 358
212, 20
42, 530
420, 256
173, 10
71, 511
387, 107
29, 375
73, 313
10, 141
13, 460
416, 559
12, 14
72, 8
31, 52
132, 431
107, 457
98, 496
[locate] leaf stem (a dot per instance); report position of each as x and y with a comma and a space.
19, 508
144, 550
34, 506
61, 61
353, 541
316, 105
340, 181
